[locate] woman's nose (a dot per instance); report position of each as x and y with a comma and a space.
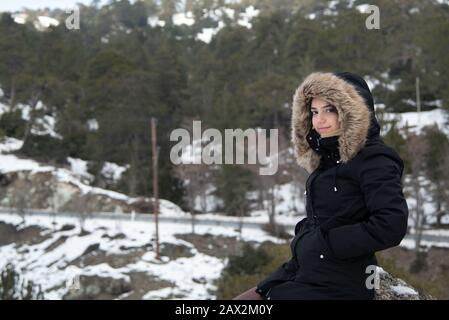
320, 117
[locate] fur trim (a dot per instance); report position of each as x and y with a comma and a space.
336, 132
353, 115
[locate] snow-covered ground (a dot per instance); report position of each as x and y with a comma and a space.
190, 277
52, 269
10, 145
416, 121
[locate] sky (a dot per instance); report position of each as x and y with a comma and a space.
17, 5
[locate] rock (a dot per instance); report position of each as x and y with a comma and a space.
147, 246
142, 283
7, 232
84, 232
98, 288
67, 227
60, 190
91, 248
56, 244
28, 235
391, 288
36, 192
212, 245
98, 256
118, 236
174, 251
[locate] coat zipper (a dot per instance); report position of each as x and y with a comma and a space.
309, 195
309, 202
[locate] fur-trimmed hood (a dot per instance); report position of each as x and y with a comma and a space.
350, 94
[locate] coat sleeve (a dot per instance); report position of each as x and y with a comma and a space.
287, 271
386, 222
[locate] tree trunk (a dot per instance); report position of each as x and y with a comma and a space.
419, 215
272, 218
12, 94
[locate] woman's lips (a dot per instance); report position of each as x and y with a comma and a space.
321, 129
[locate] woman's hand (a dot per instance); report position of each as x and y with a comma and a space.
250, 294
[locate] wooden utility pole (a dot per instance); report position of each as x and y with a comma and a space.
155, 184
418, 101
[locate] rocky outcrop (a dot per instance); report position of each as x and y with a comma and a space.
392, 288
99, 288
58, 190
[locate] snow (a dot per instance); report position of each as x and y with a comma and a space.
20, 18
351, 3
67, 176
25, 110
409, 243
183, 19
207, 34
418, 120
192, 153
79, 167
158, 294
388, 82
246, 16
220, 13
71, 249
437, 103
208, 203
331, 9
403, 290
289, 202
113, 171
46, 22
256, 217
380, 270
104, 270
45, 126
192, 277
92, 124
363, 8
185, 272
10, 163
154, 21
78, 171
10, 144
372, 82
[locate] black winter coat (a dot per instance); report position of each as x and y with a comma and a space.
355, 205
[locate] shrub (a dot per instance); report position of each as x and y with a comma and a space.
12, 124
13, 287
44, 148
245, 270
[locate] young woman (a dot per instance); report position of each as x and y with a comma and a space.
354, 200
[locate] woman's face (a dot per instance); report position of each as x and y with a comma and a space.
324, 116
